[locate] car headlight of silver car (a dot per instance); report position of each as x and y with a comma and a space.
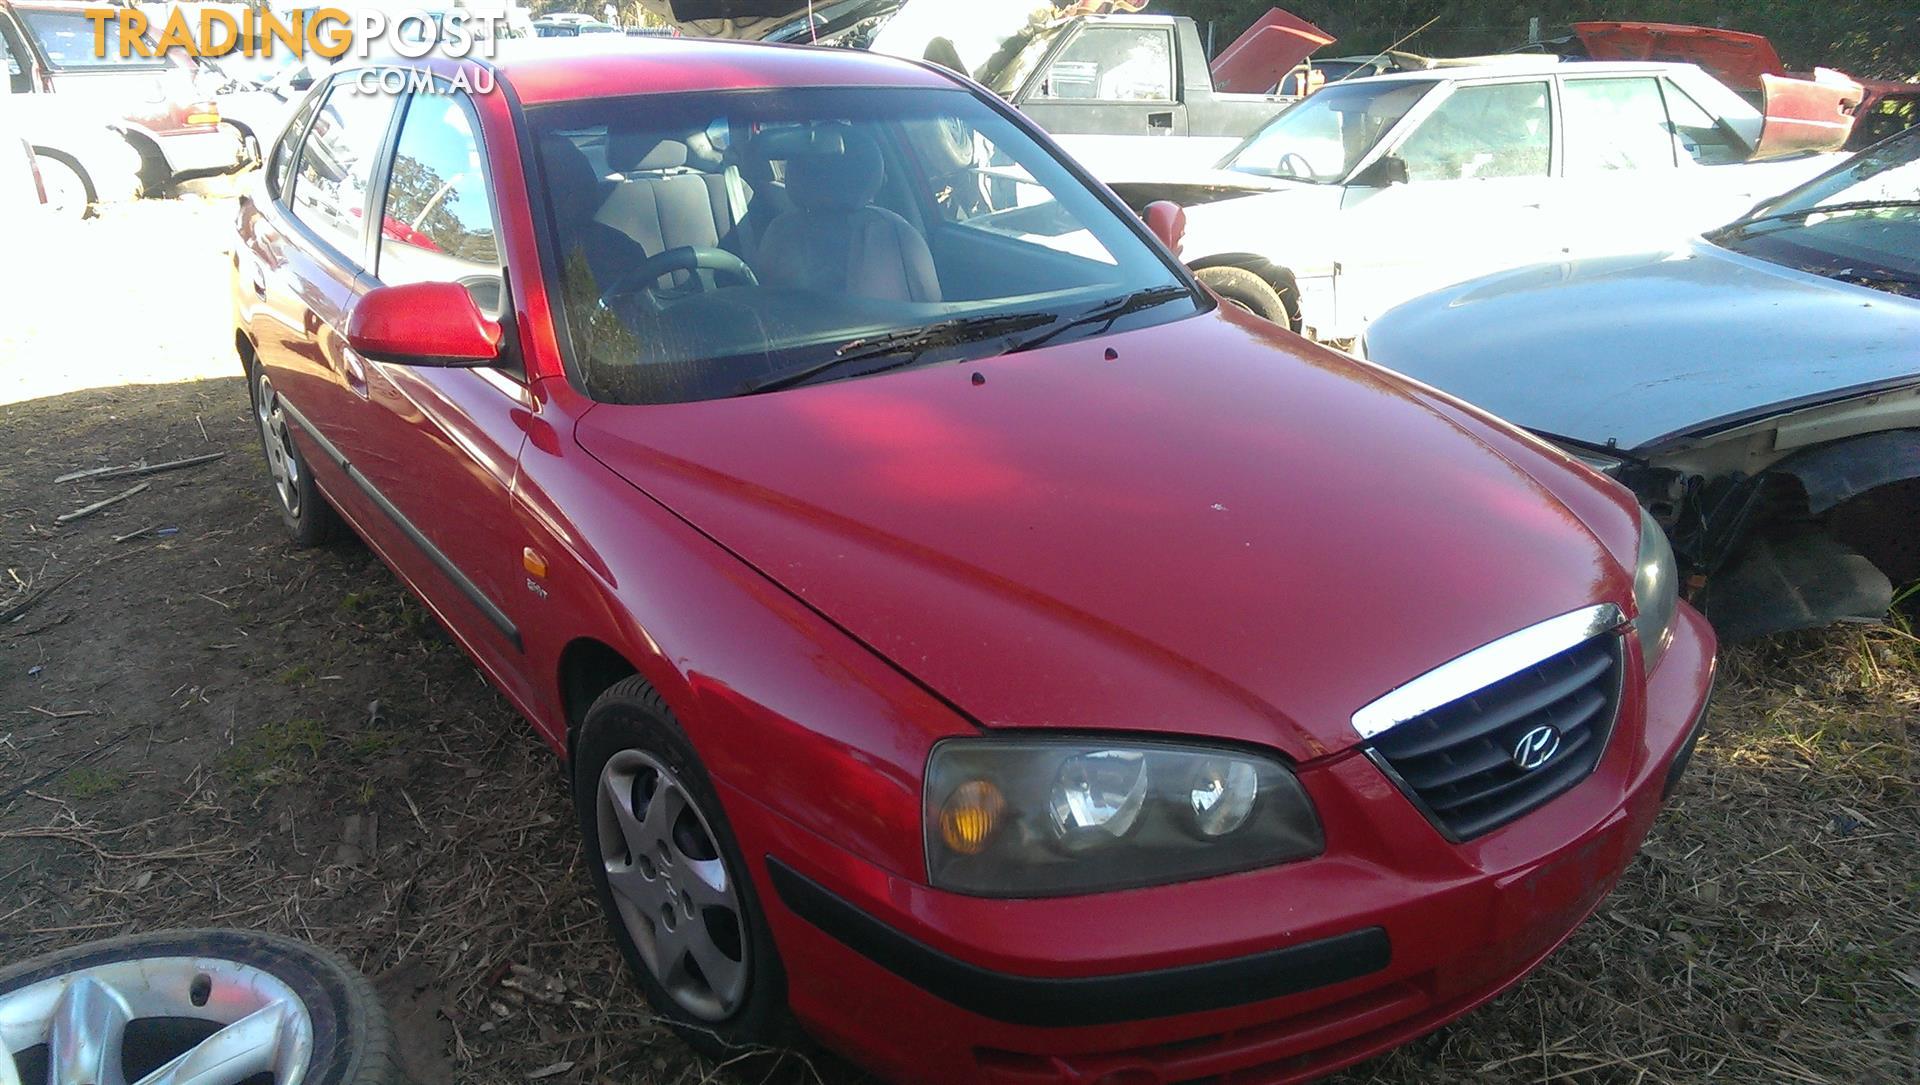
1038, 816
1656, 590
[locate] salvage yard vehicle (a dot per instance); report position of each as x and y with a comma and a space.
1758, 387
1377, 190
964, 635
78, 161
1114, 86
49, 49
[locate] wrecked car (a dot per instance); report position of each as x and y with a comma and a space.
1377, 190
963, 635
1114, 86
1758, 387
1746, 62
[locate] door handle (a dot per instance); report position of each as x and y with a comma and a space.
1160, 120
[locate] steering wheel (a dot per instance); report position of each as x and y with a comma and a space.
684, 258
1295, 165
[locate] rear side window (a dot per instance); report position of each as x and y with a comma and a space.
1114, 64
1701, 135
1480, 132
1615, 124
67, 39
438, 225
331, 182
280, 167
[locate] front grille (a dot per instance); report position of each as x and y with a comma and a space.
1458, 763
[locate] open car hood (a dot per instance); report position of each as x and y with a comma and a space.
1259, 59
1735, 58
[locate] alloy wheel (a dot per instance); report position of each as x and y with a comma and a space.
676, 897
275, 435
173, 1020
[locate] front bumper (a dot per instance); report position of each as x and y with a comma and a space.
1275, 975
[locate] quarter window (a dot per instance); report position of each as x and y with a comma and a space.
1701, 135
1114, 64
336, 165
438, 222
280, 168
1615, 124
1493, 130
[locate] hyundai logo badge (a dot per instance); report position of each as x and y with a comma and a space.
1536, 748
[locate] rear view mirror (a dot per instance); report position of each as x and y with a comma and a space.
1385, 171
434, 324
1168, 221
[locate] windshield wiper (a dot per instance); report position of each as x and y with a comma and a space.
905, 347
1107, 312
1739, 228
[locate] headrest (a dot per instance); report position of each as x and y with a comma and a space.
833, 170
574, 188
631, 152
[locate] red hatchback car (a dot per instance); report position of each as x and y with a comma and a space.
967, 637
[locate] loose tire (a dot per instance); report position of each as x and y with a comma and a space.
309, 519
227, 1005
70, 194
671, 879
1238, 286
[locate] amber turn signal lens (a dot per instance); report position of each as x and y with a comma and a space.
970, 816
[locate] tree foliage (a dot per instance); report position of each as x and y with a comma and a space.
1868, 38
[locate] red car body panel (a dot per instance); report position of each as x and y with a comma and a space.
823, 583
924, 486
1257, 60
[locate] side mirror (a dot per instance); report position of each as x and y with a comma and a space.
1168, 221
433, 324
1386, 170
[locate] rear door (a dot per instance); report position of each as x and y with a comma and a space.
309, 250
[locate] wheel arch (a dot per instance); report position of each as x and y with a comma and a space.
1276, 275
79, 168
588, 667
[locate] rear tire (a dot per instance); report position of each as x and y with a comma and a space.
303, 508
631, 749
1238, 286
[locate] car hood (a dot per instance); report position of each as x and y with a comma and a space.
1222, 531
1641, 351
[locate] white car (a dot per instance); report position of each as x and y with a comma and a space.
1374, 191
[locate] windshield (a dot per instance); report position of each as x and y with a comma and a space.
713, 244
1859, 223
1323, 137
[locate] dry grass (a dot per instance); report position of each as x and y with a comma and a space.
198, 748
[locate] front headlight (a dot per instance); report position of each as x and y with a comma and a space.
1656, 590
1035, 817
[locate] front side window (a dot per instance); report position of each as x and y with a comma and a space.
1859, 223
1114, 64
1324, 137
1615, 124
1481, 132
438, 222
840, 231
336, 165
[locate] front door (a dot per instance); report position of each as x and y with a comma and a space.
1108, 89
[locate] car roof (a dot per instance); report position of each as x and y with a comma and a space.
1526, 64
615, 65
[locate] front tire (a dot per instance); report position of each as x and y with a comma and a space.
1238, 286
671, 879
309, 519
229, 1005
70, 193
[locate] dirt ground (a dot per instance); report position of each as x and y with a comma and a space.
202, 726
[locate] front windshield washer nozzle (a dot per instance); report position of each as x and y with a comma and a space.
979, 378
